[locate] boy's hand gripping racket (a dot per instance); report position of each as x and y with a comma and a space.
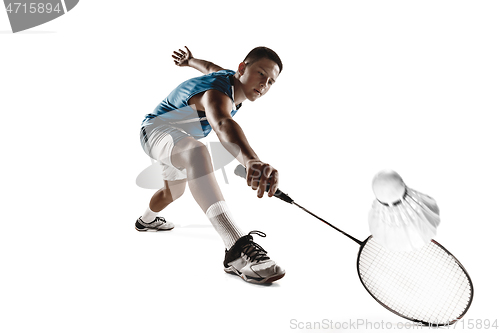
428, 286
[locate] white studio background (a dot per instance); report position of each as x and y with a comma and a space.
367, 85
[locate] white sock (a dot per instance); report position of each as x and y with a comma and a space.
149, 216
223, 222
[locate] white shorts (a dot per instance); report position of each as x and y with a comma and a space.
158, 142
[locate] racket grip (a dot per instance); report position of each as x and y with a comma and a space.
242, 172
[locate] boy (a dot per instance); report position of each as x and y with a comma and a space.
169, 135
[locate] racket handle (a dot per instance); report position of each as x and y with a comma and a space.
242, 172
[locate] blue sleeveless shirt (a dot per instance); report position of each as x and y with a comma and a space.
175, 111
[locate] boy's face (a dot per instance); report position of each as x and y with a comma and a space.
258, 77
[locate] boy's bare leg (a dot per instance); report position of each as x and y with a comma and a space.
168, 194
193, 156
243, 257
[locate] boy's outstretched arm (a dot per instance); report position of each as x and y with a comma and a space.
218, 108
183, 58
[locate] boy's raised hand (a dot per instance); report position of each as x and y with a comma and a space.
260, 175
181, 58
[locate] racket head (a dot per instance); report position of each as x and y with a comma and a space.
429, 286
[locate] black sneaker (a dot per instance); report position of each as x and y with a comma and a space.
249, 261
158, 224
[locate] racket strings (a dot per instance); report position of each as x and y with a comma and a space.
427, 285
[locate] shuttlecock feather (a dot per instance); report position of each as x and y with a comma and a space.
401, 219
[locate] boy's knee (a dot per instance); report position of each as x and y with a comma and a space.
189, 152
197, 152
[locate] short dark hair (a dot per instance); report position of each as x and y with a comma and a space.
263, 52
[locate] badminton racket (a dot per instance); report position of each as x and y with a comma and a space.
428, 286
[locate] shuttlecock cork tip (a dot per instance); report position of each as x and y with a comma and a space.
388, 187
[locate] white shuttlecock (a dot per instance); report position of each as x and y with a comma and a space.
401, 219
